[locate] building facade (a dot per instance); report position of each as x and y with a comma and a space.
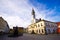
58, 30
4, 27
18, 30
41, 26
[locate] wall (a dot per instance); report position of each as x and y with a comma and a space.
50, 27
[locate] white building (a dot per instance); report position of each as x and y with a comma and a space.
41, 26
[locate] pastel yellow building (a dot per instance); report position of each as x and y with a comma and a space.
41, 26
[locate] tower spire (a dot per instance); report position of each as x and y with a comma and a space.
33, 16
33, 13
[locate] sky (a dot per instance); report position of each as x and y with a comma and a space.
18, 12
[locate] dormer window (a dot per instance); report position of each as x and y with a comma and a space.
41, 24
32, 26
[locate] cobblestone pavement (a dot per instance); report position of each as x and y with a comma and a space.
32, 37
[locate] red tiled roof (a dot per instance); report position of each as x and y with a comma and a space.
58, 23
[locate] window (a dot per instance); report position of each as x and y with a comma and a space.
38, 25
39, 30
49, 25
35, 26
49, 31
32, 26
41, 24
42, 31
53, 31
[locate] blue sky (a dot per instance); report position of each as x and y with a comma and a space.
52, 6
48, 3
18, 12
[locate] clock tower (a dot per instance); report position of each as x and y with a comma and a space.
33, 16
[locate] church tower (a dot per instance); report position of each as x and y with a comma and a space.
33, 16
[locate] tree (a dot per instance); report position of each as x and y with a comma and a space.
16, 31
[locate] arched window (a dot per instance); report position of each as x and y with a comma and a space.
42, 30
38, 25
39, 30
41, 24
49, 31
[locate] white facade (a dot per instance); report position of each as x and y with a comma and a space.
43, 27
51, 27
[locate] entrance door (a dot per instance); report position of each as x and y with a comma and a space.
32, 32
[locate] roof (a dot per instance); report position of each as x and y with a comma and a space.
44, 20
40, 21
58, 23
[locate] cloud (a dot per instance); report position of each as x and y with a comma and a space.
18, 12
15, 14
15, 20
50, 14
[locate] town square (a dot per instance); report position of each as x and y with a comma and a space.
29, 19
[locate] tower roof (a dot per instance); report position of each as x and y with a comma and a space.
33, 12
